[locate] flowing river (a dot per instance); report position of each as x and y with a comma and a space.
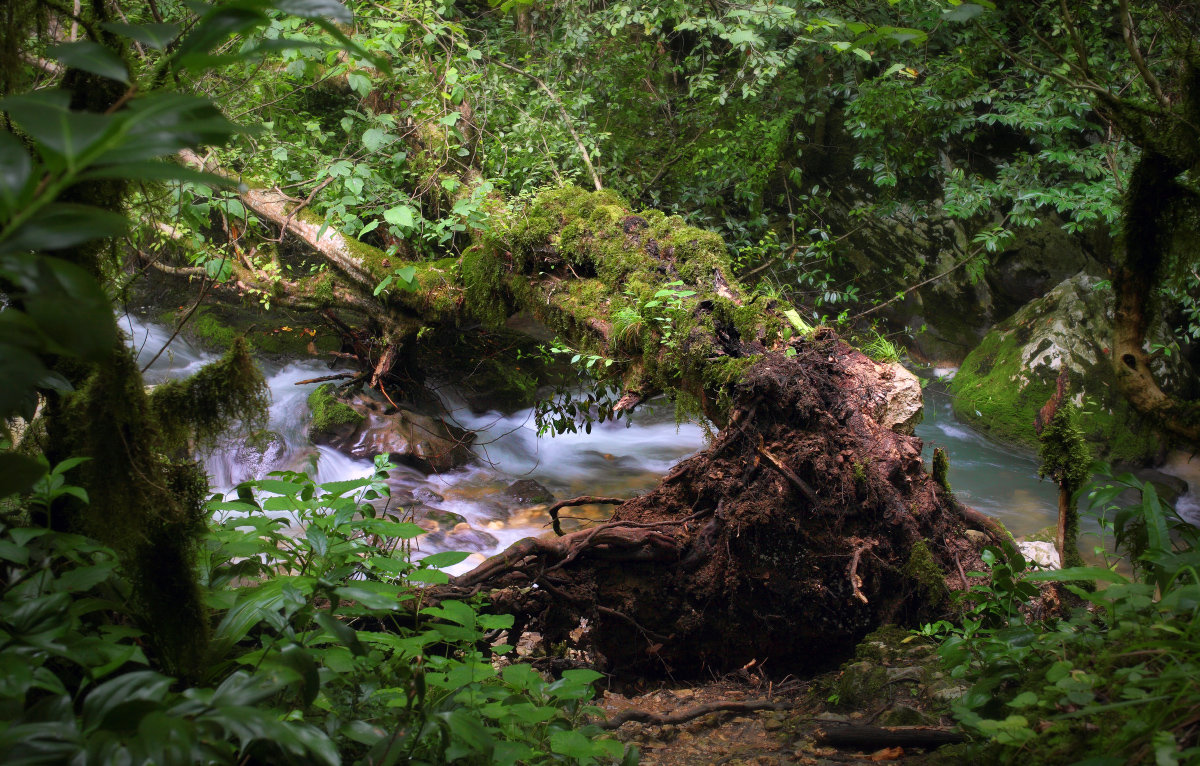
480, 516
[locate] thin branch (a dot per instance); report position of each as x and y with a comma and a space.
587, 158
683, 716
581, 500
1139, 61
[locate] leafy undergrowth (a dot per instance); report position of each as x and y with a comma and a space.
321, 649
1113, 680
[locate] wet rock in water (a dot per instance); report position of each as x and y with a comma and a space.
363, 428
436, 519
256, 456
1011, 374
1168, 487
463, 537
427, 495
529, 492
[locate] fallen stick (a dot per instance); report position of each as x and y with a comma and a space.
855, 580
683, 716
324, 378
581, 500
872, 738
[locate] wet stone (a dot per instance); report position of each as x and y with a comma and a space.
529, 492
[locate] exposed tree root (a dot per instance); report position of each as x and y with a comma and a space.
868, 738
786, 541
575, 501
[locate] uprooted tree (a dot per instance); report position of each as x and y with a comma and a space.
807, 522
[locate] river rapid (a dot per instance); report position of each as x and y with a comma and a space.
614, 459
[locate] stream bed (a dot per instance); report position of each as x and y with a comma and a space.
480, 515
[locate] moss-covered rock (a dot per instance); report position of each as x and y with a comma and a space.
1011, 374
363, 427
330, 416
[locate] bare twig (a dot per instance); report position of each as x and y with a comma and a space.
581, 500
324, 378
855, 580
789, 474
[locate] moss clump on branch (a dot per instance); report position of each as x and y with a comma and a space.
604, 278
328, 412
202, 407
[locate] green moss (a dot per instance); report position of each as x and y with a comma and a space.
995, 393
146, 504
328, 412
211, 331
203, 406
925, 572
941, 468
860, 471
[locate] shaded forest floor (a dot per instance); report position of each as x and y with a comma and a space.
893, 680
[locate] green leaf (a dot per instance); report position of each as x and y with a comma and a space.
444, 559
342, 632
571, 743
359, 83
316, 9
401, 215
46, 115
375, 139
16, 168
156, 36
964, 12
407, 276
367, 598
62, 225
90, 57
107, 706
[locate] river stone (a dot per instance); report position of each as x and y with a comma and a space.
422, 441
529, 492
436, 519
253, 458
1040, 552
1005, 380
463, 537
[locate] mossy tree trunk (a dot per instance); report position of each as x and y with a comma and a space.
1161, 223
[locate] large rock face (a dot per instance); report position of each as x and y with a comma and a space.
363, 428
949, 315
1011, 374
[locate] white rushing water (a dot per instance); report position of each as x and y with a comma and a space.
476, 513
612, 460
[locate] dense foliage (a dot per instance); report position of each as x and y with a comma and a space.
1109, 679
142, 619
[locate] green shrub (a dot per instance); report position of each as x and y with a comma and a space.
325, 649
1114, 681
